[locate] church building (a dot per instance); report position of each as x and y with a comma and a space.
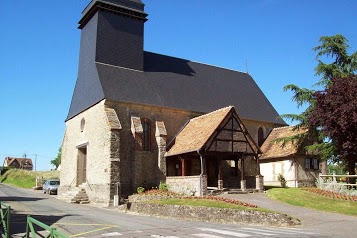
139, 118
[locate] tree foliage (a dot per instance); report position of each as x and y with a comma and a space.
334, 48
343, 65
57, 161
335, 112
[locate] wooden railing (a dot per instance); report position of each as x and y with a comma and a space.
334, 179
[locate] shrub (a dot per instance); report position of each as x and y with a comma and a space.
140, 190
282, 180
163, 187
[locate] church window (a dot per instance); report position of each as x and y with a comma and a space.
260, 136
146, 135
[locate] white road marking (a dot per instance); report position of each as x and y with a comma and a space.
206, 235
259, 231
159, 236
283, 230
112, 234
223, 232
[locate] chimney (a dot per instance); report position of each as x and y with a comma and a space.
112, 32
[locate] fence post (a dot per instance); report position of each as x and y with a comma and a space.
27, 227
8, 222
334, 182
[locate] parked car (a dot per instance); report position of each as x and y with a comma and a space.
51, 186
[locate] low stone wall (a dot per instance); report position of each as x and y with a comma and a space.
187, 185
210, 214
144, 198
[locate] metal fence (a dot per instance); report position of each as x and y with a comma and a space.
5, 211
31, 225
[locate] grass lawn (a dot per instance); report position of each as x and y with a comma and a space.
205, 203
24, 178
299, 197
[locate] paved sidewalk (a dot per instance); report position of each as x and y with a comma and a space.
331, 224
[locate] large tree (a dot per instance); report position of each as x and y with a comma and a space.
341, 65
335, 112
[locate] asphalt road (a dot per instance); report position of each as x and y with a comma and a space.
77, 220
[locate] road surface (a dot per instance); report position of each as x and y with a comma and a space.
77, 220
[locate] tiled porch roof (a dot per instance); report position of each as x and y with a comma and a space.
271, 149
200, 131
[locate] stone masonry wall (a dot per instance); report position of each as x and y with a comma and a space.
96, 137
141, 168
212, 214
188, 185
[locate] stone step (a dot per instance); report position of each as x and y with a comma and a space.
81, 198
75, 195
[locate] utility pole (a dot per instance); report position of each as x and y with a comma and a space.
35, 160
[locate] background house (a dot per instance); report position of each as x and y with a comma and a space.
299, 168
18, 163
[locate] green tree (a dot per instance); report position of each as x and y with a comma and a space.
334, 48
57, 161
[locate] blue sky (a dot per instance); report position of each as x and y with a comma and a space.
39, 41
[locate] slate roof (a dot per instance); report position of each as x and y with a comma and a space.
199, 132
175, 83
272, 150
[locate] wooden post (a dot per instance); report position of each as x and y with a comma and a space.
183, 167
220, 179
243, 182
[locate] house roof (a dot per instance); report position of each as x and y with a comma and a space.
174, 83
271, 149
11, 160
200, 133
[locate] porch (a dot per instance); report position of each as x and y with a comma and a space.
213, 152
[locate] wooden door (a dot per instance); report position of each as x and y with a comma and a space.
82, 166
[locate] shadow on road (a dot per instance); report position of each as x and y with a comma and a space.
18, 224
20, 199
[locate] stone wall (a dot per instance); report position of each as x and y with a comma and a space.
188, 185
211, 214
113, 156
141, 168
88, 130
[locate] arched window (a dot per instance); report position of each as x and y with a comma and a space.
146, 134
260, 136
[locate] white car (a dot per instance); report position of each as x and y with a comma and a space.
51, 186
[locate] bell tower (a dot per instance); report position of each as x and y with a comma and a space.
112, 31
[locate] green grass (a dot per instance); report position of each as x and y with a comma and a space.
205, 203
299, 197
24, 178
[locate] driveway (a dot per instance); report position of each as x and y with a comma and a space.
327, 223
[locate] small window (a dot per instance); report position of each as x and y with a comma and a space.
83, 122
312, 163
316, 164
146, 134
307, 163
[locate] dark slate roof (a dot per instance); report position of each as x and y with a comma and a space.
178, 83
131, 4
